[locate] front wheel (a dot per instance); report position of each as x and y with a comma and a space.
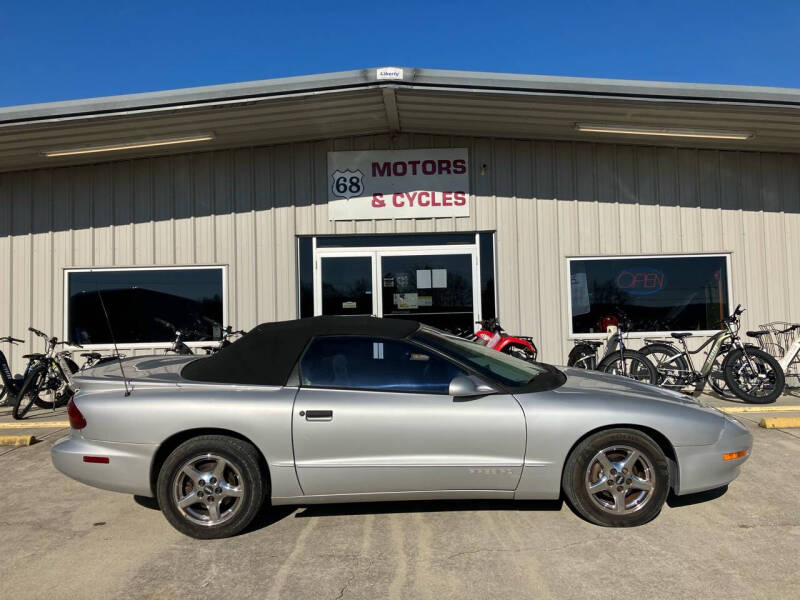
631, 364
211, 486
755, 377
617, 478
29, 391
61, 393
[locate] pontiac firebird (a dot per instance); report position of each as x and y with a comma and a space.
354, 409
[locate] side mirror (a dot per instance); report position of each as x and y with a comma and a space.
467, 387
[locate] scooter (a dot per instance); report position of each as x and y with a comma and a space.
494, 336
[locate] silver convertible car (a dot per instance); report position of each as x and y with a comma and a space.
352, 409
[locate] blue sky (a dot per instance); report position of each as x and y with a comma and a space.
65, 50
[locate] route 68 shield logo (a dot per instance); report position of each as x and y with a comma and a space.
347, 184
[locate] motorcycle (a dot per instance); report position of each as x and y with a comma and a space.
494, 336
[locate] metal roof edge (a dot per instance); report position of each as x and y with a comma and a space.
354, 79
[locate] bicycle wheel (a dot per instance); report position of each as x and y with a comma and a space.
634, 365
582, 356
762, 383
671, 366
716, 378
29, 391
62, 394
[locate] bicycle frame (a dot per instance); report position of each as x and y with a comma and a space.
716, 341
791, 352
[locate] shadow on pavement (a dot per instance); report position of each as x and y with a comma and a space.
146, 502
425, 506
674, 501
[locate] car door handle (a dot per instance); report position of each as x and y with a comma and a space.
319, 415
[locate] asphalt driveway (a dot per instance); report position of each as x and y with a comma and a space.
61, 539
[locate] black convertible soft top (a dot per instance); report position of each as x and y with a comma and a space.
268, 353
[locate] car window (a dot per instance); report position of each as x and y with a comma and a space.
506, 369
375, 364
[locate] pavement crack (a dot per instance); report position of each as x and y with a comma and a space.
515, 550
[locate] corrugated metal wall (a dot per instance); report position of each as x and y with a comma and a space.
546, 200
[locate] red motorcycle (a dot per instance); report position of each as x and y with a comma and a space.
494, 336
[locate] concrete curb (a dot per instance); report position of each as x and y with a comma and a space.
780, 422
16, 440
759, 409
35, 425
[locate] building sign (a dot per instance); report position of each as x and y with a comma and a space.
398, 184
641, 281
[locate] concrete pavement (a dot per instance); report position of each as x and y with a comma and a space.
62, 539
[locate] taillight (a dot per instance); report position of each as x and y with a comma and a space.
76, 420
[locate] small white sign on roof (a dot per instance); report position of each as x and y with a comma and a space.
388, 73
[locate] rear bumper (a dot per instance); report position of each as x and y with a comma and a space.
127, 471
702, 468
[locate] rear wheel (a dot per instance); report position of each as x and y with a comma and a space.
632, 364
672, 370
211, 486
29, 391
755, 377
716, 378
582, 356
617, 478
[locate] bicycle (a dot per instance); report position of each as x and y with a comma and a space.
750, 373
617, 358
10, 383
49, 372
227, 334
95, 359
782, 343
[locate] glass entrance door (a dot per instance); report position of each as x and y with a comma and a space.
434, 285
436, 289
345, 285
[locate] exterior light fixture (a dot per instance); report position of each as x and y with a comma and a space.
664, 131
147, 143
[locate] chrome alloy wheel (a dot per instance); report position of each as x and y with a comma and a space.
208, 490
620, 479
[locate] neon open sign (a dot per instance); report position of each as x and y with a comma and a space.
641, 281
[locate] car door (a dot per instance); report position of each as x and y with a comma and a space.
373, 415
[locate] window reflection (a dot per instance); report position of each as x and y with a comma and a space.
145, 305
686, 293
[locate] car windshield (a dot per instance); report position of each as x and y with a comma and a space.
508, 370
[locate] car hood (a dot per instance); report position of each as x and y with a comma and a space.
581, 382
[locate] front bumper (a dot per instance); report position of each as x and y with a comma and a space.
702, 468
127, 471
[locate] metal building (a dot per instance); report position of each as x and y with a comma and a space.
553, 203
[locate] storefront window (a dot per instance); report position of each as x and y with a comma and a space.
145, 305
649, 294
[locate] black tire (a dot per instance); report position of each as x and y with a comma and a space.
583, 469
673, 374
29, 391
243, 468
582, 356
716, 378
763, 387
2, 395
637, 366
63, 394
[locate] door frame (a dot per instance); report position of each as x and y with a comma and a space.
473, 250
